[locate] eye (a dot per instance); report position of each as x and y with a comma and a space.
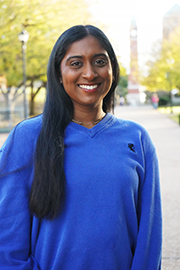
100, 62
76, 64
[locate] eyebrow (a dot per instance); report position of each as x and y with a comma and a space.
74, 56
81, 57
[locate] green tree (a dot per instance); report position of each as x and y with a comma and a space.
121, 89
44, 20
163, 68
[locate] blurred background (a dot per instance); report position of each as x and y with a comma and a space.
145, 36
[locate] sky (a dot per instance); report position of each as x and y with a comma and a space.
117, 14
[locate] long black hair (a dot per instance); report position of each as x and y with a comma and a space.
48, 188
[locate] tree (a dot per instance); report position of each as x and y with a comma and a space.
163, 68
44, 20
121, 89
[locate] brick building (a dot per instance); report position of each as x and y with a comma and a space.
171, 20
133, 96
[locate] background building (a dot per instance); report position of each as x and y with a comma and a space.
133, 96
171, 20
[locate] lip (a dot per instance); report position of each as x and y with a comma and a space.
89, 90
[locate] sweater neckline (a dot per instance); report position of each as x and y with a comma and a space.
107, 121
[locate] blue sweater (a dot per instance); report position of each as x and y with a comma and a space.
112, 214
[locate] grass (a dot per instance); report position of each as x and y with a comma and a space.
172, 112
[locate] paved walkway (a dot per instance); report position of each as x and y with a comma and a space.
166, 137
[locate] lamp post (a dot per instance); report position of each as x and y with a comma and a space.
23, 37
170, 94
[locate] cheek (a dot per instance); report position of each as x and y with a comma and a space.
68, 77
65, 74
110, 72
106, 74
110, 76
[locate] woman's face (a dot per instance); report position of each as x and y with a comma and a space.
86, 73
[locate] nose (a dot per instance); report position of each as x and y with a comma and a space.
89, 72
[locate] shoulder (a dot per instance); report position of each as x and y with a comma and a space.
30, 127
21, 142
25, 132
128, 125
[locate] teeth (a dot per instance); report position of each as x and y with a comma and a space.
90, 87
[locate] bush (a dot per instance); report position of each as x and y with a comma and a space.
164, 100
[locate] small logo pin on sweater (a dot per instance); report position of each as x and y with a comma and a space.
131, 147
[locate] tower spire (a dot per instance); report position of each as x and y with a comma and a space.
133, 84
133, 22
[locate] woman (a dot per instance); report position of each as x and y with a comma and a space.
155, 100
93, 182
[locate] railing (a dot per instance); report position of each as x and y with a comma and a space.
9, 118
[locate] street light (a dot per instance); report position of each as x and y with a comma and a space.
168, 77
23, 37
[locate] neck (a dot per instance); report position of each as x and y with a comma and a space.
88, 118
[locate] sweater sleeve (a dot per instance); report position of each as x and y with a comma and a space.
15, 217
149, 242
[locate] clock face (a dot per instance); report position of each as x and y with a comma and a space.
133, 33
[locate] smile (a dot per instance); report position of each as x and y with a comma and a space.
88, 87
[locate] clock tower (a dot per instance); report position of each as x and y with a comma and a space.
133, 96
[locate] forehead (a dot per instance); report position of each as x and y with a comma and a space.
86, 46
